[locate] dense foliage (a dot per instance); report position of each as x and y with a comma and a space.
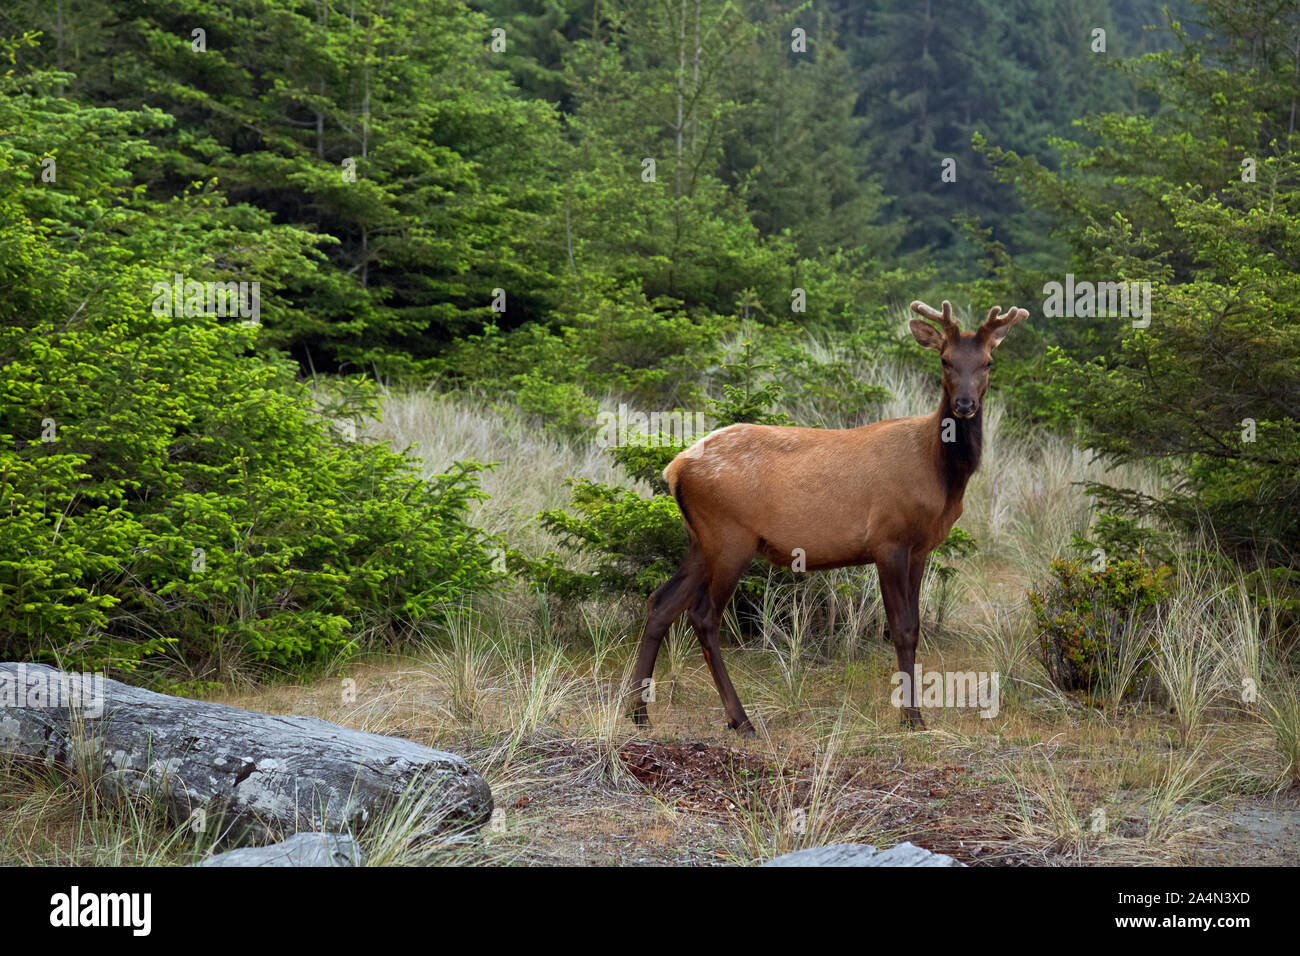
701, 207
168, 493
1200, 201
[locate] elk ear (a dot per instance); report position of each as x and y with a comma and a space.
926, 334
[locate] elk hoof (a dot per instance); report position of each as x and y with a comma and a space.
911, 719
638, 717
745, 729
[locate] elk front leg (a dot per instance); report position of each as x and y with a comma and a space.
903, 611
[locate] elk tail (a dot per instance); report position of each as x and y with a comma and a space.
672, 476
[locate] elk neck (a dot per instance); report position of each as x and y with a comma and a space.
957, 460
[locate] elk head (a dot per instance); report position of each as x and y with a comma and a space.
967, 356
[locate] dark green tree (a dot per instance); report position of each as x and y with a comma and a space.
1200, 201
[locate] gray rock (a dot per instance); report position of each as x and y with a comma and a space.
244, 776
301, 849
860, 854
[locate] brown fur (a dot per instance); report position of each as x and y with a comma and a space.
886, 493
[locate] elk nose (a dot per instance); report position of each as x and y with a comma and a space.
965, 407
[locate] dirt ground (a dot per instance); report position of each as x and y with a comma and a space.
1060, 788
683, 803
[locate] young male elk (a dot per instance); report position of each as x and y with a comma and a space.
886, 493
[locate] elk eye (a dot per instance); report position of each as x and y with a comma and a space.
946, 363
988, 365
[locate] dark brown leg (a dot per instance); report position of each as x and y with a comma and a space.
664, 607
706, 619
915, 575
902, 609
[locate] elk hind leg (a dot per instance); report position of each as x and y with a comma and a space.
706, 619
665, 606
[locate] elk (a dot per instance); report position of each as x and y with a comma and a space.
886, 494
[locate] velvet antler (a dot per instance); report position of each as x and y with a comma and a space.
945, 318
996, 325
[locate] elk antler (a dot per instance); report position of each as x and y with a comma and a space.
996, 326
995, 321
945, 318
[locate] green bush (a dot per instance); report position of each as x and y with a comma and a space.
637, 542
166, 492
187, 495
616, 340
1084, 616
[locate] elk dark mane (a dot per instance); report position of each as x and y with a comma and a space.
960, 459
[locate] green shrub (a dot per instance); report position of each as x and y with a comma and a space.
1118, 536
167, 491
958, 544
1085, 617
637, 542
616, 341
